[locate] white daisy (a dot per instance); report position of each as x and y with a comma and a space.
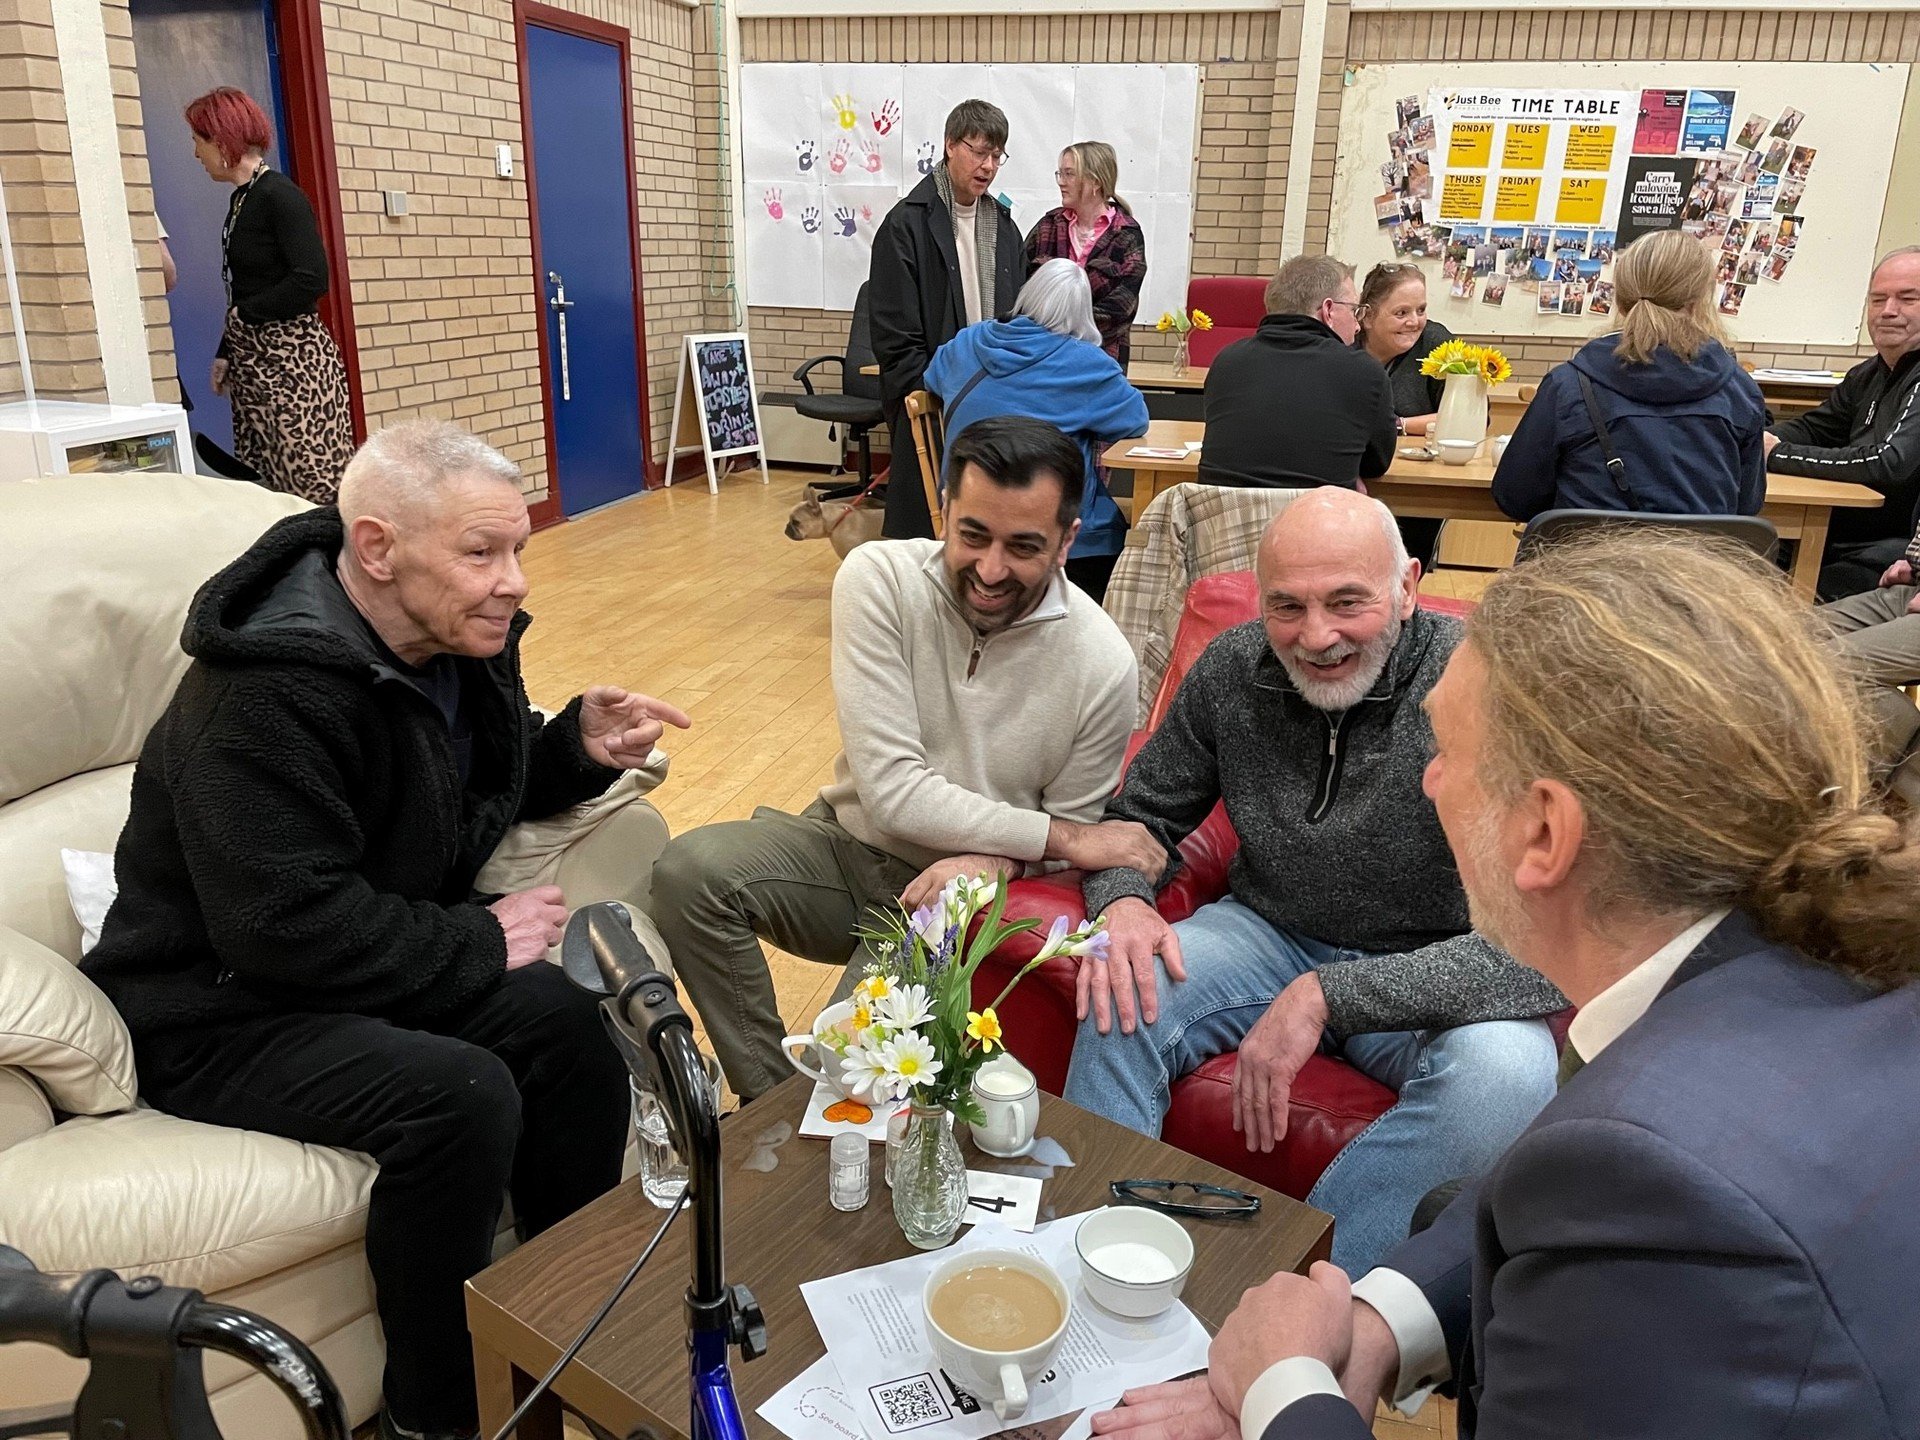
864, 1067
904, 1007
909, 1061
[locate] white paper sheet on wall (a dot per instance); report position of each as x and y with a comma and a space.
1165, 221
794, 139
1039, 101
780, 127
785, 250
852, 213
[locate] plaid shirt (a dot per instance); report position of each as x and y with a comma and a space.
1115, 267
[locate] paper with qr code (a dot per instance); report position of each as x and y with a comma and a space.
875, 1333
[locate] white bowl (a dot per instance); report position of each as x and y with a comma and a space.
1456, 452
1121, 1276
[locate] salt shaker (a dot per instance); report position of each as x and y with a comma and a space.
847, 1172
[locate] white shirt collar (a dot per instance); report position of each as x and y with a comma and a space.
1606, 1017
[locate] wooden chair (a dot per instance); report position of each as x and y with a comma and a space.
1527, 392
929, 443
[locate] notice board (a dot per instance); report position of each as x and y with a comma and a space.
1515, 185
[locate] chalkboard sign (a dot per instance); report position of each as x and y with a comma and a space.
715, 409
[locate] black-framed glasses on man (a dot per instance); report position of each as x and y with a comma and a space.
992, 157
1354, 305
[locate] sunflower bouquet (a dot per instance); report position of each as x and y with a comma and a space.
1458, 357
1181, 321
913, 1034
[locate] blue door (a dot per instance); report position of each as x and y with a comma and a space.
582, 157
182, 49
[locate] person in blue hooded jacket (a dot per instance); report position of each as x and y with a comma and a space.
1662, 395
1046, 362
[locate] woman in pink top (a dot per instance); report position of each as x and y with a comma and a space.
1096, 230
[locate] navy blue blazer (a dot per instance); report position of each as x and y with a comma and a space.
1713, 1230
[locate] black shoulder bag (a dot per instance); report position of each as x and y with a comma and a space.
1616, 467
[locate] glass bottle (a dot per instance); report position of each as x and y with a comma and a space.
929, 1179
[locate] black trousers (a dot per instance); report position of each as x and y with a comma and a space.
519, 1092
1847, 569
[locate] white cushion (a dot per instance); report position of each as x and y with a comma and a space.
99, 572
85, 812
57, 1026
90, 891
146, 1193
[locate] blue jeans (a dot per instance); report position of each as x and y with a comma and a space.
1465, 1094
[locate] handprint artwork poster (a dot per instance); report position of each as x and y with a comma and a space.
785, 253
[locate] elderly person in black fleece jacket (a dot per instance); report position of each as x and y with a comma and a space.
1346, 928
297, 947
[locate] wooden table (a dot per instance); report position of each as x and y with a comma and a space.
1159, 375
524, 1310
1799, 508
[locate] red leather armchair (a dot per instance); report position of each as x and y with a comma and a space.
1234, 303
1331, 1102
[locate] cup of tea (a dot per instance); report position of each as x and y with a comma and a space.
995, 1319
817, 1054
1009, 1098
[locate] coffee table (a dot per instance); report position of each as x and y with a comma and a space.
781, 1231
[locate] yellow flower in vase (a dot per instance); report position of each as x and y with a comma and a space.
1165, 322
1202, 320
984, 1026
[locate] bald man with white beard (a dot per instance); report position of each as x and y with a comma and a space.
1345, 929
301, 943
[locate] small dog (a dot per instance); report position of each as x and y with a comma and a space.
839, 514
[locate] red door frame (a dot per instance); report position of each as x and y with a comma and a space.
530, 12
303, 83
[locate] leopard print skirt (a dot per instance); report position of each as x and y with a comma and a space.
291, 420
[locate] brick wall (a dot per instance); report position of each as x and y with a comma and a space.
44, 208
446, 305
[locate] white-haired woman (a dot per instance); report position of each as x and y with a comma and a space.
1046, 362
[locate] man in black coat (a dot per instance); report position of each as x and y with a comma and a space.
296, 946
1293, 404
920, 293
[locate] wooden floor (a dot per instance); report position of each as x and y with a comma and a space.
701, 600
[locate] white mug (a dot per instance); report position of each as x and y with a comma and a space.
820, 1063
1009, 1097
997, 1377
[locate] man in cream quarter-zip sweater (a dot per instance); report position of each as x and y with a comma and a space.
984, 707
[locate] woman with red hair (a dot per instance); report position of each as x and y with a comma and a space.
277, 365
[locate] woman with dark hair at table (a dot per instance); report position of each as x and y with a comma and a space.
1096, 230
277, 364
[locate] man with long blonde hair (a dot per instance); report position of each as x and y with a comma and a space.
1654, 778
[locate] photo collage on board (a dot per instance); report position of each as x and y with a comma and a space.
1737, 186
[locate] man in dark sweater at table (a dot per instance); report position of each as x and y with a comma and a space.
1345, 929
1867, 432
1293, 404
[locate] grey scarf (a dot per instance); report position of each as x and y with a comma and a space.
986, 239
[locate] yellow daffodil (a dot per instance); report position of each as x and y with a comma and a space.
875, 987
862, 1017
1202, 320
984, 1026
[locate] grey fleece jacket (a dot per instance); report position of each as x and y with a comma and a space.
1337, 841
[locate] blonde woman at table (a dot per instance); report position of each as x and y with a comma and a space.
1395, 330
1656, 417
1096, 230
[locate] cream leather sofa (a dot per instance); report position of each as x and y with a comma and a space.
98, 572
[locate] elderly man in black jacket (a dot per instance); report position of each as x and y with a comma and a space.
296, 945
1867, 432
947, 256
1345, 927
